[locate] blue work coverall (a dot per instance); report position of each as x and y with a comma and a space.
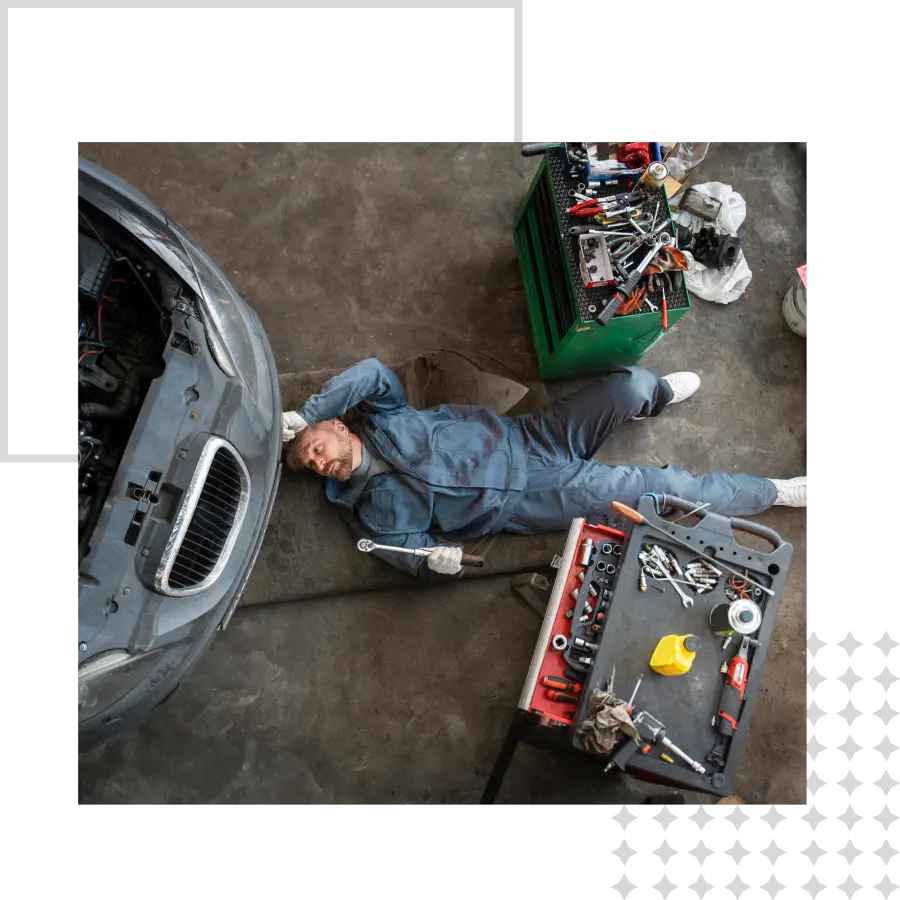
466, 472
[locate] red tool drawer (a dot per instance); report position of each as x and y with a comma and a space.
547, 661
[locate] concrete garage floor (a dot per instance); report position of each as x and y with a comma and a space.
404, 696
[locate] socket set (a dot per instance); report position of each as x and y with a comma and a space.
598, 566
558, 665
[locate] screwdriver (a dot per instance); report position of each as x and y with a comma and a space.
638, 519
570, 687
561, 697
630, 707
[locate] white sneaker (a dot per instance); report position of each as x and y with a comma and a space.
791, 491
683, 384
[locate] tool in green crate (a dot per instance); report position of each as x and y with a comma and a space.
567, 340
536, 149
624, 292
639, 519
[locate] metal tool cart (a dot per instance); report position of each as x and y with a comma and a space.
565, 298
627, 619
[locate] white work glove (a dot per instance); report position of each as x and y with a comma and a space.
292, 423
445, 560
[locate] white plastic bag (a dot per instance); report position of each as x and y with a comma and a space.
686, 156
717, 285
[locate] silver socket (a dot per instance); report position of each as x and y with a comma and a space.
586, 549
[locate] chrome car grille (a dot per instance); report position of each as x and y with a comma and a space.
208, 522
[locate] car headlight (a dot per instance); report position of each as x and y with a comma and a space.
108, 678
228, 324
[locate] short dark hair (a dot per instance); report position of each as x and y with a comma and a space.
291, 452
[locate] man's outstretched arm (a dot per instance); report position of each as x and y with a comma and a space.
431, 569
369, 384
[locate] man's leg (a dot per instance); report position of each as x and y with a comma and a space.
587, 489
575, 426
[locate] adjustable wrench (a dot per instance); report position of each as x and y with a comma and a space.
368, 546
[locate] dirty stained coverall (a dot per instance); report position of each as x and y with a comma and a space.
467, 472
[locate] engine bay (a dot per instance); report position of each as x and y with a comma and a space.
123, 328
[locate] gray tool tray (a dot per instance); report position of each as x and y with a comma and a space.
636, 620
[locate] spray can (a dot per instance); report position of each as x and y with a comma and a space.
655, 176
741, 617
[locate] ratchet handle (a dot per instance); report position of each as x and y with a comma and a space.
612, 307
536, 149
473, 561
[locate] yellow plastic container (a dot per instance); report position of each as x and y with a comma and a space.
674, 654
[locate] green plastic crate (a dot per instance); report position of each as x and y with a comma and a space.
566, 341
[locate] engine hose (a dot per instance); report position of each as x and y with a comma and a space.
126, 396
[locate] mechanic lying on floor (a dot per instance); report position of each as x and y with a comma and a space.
467, 472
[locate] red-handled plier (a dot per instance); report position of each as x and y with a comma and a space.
596, 206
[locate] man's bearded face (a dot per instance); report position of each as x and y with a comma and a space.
326, 448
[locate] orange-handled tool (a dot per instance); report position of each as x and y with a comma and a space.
561, 697
629, 513
551, 681
638, 519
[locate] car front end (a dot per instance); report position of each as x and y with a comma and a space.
179, 447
